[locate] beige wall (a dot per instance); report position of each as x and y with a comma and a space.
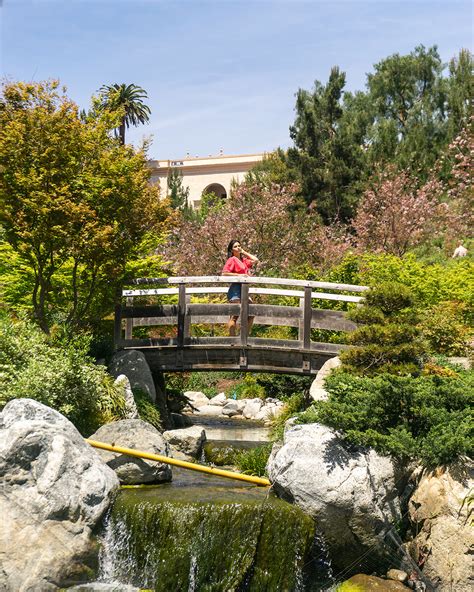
200, 173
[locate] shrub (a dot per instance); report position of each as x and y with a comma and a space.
61, 376
389, 340
443, 328
428, 418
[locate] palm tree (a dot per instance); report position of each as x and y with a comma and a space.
130, 98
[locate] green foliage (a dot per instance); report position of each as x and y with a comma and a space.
294, 404
443, 328
250, 389
389, 341
282, 386
74, 204
254, 460
177, 193
428, 418
60, 375
146, 409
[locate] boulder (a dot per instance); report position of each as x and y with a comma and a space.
439, 510
55, 490
196, 398
232, 408
252, 407
350, 491
138, 435
219, 399
317, 390
189, 441
131, 411
212, 410
133, 364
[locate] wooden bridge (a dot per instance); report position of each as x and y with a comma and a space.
148, 306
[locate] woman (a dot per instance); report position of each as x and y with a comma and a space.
239, 262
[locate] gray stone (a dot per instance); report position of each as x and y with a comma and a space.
213, 410
196, 398
350, 491
55, 490
440, 512
138, 435
133, 364
131, 410
219, 399
189, 441
232, 408
252, 407
461, 361
317, 390
398, 575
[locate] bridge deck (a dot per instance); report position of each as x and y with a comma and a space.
187, 353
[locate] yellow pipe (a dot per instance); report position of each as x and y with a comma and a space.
180, 463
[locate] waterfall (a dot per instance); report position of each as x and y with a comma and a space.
219, 546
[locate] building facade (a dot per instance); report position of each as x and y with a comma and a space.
212, 174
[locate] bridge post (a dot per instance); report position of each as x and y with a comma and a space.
307, 312
244, 315
129, 322
117, 325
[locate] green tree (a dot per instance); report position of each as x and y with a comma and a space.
74, 203
328, 148
408, 96
128, 100
177, 193
460, 91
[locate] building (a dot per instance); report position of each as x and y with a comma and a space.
212, 174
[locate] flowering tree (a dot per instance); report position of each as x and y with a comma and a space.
393, 215
263, 219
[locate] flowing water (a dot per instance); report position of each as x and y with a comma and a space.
202, 533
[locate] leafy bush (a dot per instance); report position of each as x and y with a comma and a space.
281, 386
250, 389
60, 375
427, 418
389, 340
146, 409
294, 404
254, 460
443, 328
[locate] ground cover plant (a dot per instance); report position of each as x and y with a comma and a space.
427, 418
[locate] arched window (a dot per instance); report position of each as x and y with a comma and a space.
217, 189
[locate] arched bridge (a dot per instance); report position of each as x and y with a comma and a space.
174, 310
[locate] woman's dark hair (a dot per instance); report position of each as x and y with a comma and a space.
230, 246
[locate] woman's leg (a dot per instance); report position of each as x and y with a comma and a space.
232, 323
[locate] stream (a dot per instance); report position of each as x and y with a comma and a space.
202, 533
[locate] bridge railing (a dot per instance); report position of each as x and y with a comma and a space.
185, 313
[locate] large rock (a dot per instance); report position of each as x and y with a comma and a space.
440, 512
317, 390
189, 441
232, 408
252, 408
196, 398
211, 410
133, 364
219, 399
55, 490
131, 411
350, 491
138, 435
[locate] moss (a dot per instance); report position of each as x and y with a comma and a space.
218, 547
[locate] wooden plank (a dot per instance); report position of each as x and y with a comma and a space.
129, 323
252, 290
117, 325
307, 318
181, 315
158, 310
244, 315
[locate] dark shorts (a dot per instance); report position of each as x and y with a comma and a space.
234, 292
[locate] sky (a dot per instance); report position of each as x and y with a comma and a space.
220, 74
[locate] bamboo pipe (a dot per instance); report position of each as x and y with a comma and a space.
180, 463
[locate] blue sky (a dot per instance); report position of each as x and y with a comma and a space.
220, 74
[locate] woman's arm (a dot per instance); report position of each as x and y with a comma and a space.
253, 258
